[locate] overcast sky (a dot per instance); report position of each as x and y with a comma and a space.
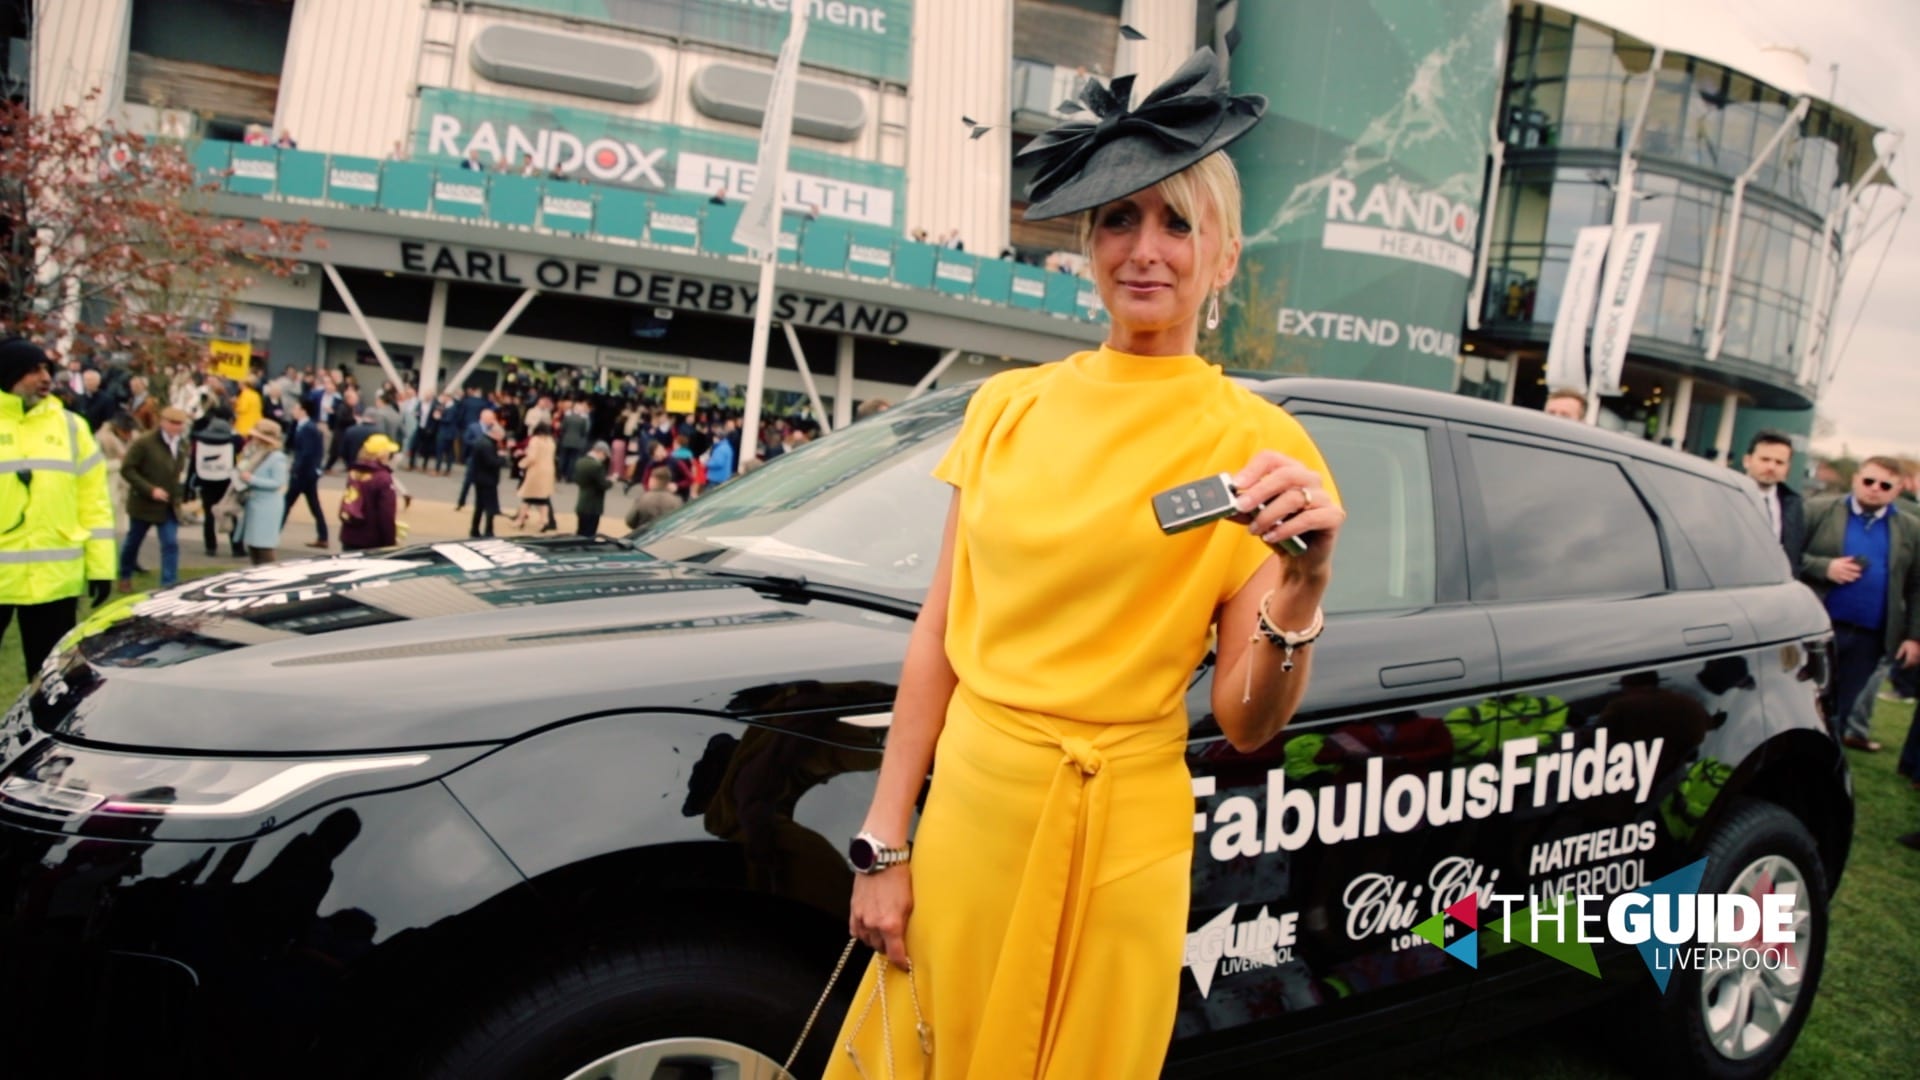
1873, 404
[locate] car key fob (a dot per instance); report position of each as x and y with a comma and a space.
1202, 502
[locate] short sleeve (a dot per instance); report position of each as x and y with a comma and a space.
962, 459
1278, 431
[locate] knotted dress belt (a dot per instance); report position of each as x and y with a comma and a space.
1029, 988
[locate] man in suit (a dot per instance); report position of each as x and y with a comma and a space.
1769, 456
309, 454
1863, 559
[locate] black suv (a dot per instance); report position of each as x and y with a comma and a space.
574, 809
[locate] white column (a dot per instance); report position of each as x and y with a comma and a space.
1723, 441
843, 382
430, 348
962, 66
1168, 26
80, 46
1682, 412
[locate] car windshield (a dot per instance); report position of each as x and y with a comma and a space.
859, 509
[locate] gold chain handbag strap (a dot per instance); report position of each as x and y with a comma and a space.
812, 1017
921, 1027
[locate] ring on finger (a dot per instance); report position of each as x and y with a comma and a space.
1306, 494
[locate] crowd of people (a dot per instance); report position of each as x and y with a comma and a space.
238, 456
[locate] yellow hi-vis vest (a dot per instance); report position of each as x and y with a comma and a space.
56, 521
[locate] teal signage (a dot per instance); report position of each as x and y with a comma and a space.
1363, 184
599, 147
863, 37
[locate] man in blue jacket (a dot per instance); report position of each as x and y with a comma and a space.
475, 434
309, 455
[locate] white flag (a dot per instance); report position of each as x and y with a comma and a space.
1567, 348
1627, 265
759, 226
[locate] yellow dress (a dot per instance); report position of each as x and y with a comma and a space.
1051, 864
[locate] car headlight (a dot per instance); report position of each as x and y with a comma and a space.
222, 795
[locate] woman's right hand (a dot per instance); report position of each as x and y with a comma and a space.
882, 903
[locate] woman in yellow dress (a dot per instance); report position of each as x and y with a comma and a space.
1036, 926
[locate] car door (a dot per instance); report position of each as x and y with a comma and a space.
1618, 663
1315, 856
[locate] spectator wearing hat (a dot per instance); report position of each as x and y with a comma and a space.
590, 476
483, 472
370, 509
59, 496
155, 468
264, 476
215, 447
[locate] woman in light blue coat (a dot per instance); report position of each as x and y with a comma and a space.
262, 477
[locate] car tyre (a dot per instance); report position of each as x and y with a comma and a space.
642, 1009
1739, 1024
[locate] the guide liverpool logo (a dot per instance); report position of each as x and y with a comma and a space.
1675, 926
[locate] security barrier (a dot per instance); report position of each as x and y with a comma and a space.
661, 219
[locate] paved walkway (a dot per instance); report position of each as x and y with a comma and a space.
430, 518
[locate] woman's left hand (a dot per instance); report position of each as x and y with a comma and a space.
1282, 498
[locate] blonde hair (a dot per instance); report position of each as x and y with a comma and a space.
1211, 183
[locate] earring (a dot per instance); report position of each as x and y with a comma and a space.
1213, 311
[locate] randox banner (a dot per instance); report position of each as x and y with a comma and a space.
1567, 348
863, 37
1628, 261
1363, 185
603, 148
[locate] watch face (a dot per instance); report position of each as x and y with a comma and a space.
861, 854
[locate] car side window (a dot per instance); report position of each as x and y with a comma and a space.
1725, 526
1562, 524
1387, 550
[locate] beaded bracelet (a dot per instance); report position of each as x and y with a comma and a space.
1287, 640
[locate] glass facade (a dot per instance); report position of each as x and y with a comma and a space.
1570, 94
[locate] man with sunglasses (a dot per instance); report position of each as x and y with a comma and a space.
1863, 558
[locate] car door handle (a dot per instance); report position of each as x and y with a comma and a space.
1430, 671
1707, 635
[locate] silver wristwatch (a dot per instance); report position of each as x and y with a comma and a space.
868, 854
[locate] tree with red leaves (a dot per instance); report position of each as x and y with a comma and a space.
106, 247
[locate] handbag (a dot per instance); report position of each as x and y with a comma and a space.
920, 1025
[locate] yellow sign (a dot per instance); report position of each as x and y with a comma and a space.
683, 394
231, 359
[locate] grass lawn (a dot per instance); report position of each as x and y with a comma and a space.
1866, 1016
13, 668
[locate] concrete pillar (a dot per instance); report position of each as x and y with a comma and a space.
80, 46
1723, 440
843, 382
962, 66
1682, 410
430, 347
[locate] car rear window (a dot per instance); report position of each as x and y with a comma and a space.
1725, 526
1564, 524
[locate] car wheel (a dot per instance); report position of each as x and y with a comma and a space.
1733, 1022
650, 1011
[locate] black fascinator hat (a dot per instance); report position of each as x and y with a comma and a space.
1084, 163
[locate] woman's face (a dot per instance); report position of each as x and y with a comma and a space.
1153, 267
